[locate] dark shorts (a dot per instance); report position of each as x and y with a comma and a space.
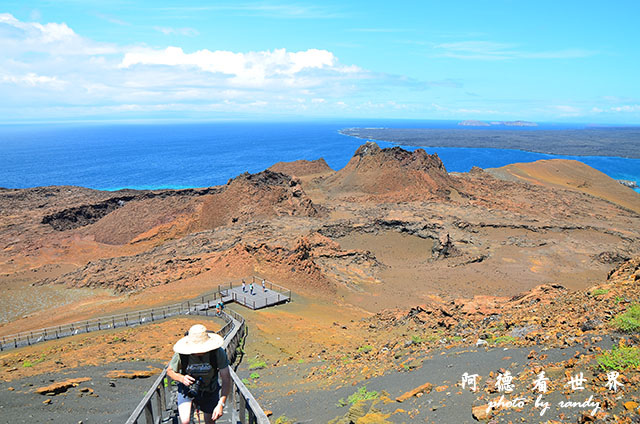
206, 402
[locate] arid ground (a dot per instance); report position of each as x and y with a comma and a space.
393, 261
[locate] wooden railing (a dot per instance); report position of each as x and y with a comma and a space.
127, 319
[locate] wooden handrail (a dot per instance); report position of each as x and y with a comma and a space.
146, 400
253, 409
120, 320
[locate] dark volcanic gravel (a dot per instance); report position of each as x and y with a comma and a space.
440, 368
113, 402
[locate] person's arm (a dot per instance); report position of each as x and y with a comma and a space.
187, 380
225, 376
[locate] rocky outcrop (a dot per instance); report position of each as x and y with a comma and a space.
128, 273
61, 386
83, 215
69, 219
443, 247
548, 313
300, 168
393, 172
256, 196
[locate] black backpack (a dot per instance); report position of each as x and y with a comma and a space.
184, 362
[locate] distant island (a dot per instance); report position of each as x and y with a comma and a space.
621, 142
474, 123
628, 183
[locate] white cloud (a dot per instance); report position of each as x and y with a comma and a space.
48, 70
626, 108
566, 110
31, 79
18, 37
461, 112
187, 32
487, 50
282, 11
252, 69
379, 30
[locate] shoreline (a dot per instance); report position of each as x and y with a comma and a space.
413, 137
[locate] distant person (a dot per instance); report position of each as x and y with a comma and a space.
264, 289
196, 363
251, 288
244, 287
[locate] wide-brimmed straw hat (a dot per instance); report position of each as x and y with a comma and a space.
199, 340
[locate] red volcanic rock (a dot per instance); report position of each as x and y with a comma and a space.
291, 266
254, 196
393, 171
300, 168
481, 305
543, 294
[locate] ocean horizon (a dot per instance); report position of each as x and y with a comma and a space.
187, 155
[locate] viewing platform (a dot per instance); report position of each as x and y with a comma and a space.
252, 294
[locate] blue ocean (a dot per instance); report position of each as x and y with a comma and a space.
151, 156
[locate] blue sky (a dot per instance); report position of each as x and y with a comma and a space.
551, 61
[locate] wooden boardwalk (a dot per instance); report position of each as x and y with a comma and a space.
257, 300
202, 305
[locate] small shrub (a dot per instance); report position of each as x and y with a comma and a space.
362, 394
629, 322
254, 375
505, 339
283, 419
27, 364
365, 349
619, 358
39, 360
431, 338
257, 364
301, 361
416, 339
341, 403
599, 292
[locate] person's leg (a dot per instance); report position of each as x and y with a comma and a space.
184, 405
184, 411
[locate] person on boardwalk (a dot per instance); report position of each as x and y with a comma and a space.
251, 288
264, 289
244, 286
195, 365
